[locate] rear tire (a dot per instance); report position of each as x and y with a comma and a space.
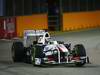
81, 52
17, 51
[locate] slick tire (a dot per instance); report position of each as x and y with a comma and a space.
80, 51
17, 52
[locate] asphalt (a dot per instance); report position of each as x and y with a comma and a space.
89, 38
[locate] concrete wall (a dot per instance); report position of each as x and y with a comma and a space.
36, 21
81, 20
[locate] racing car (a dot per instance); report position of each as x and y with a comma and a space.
43, 50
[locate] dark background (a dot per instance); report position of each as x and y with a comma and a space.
28, 7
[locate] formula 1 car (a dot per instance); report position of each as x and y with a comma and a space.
44, 50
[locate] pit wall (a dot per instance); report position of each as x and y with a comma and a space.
81, 20
36, 21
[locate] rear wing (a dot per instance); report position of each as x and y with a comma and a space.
34, 32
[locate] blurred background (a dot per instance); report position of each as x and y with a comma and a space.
54, 15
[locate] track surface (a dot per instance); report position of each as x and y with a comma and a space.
90, 39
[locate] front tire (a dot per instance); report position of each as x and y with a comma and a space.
37, 56
81, 52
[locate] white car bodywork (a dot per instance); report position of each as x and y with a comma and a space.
58, 47
55, 48
44, 39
